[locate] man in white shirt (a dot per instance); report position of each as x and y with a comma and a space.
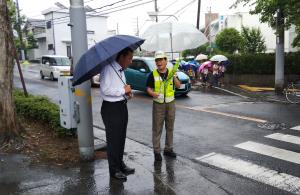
114, 92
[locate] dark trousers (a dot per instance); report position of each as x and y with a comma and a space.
115, 118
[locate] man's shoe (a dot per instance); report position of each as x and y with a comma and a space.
119, 176
127, 170
170, 153
157, 157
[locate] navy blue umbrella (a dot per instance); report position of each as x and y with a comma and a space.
102, 54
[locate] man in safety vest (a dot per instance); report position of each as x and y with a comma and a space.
160, 85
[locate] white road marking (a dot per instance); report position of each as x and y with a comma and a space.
296, 128
285, 138
232, 92
270, 151
198, 108
255, 172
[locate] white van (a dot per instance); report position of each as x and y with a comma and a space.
53, 66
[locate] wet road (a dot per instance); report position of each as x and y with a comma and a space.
240, 144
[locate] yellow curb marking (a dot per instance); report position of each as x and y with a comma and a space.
256, 89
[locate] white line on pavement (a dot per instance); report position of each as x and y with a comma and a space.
270, 151
285, 137
296, 128
197, 108
255, 172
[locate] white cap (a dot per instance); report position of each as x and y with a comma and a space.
160, 55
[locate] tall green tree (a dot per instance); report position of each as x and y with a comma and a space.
229, 40
9, 125
253, 41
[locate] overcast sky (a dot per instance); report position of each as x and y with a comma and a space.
126, 20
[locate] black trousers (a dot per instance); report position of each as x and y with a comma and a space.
115, 119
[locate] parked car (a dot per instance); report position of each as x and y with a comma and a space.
52, 66
137, 74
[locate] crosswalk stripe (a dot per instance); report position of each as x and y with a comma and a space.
284, 137
250, 170
297, 128
270, 151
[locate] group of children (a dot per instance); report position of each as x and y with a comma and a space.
211, 73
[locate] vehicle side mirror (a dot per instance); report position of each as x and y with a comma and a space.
143, 70
47, 63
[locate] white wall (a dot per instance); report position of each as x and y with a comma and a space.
96, 31
244, 18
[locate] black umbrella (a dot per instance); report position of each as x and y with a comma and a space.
102, 54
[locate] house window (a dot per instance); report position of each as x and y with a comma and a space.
48, 24
50, 46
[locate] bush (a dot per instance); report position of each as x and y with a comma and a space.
262, 64
39, 108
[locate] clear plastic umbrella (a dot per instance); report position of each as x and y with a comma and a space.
172, 37
218, 58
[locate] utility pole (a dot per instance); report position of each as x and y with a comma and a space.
20, 31
198, 15
156, 10
83, 91
279, 62
209, 32
137, 27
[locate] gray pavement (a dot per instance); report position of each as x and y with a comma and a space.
172, 176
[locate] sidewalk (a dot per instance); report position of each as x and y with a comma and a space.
260, 94
171, 176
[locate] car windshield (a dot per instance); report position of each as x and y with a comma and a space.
152, 64
61, 62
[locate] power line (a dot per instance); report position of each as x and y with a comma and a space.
188, 4
90, 10
168, 6
102, 14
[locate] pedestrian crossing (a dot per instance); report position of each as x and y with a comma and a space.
251, 170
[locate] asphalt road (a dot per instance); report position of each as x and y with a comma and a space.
244, 146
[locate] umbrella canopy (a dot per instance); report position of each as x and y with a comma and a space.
101, 54
201, 57
218, 58
172, 37
207, 64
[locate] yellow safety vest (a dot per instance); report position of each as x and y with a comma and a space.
165, 89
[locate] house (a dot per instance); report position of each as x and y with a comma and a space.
54, 35
240, 19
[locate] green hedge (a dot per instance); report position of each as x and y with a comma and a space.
41, 109
262, 64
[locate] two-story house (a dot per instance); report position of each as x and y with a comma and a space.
55, 36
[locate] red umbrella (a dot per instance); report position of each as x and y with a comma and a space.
207, 64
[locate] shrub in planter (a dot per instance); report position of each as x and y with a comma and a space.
39, 108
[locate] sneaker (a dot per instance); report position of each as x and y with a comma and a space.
170, 153
157, 157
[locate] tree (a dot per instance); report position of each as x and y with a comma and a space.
17, 23
9, 125
268, 9
253, 41
31, 41
229, 40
